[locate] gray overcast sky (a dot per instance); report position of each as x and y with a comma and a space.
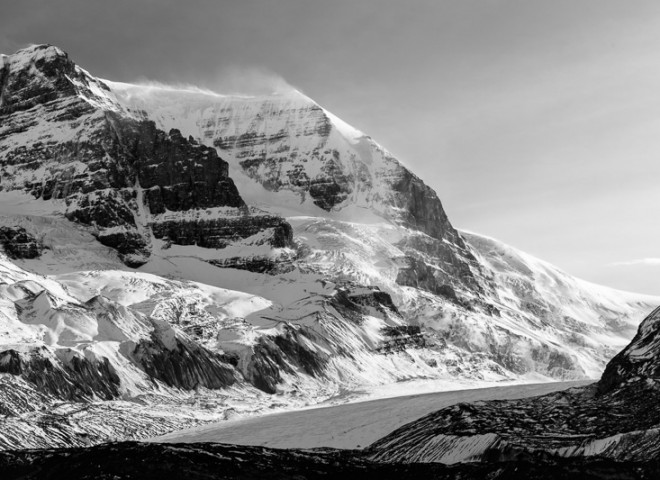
537, 122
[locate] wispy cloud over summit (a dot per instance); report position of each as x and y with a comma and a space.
232, 80
639, 261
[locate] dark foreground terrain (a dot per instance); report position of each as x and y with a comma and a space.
207, 461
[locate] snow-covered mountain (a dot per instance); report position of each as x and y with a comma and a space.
362, 215
175, 250
291, 157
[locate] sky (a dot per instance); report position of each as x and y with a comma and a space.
536, 122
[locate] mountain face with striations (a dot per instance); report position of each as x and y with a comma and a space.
291, 156
175, 256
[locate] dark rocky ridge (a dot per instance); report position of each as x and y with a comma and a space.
422, 207
639, 360
187, 366
78, 379
111, 161
218, 233
569, 422
257, 264
284, 353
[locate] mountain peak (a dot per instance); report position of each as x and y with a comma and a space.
39, 74
44, 51
45, 58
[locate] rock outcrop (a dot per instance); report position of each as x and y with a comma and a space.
221, 232
640, 360
183, 364
70, 377
286, 353
18, 243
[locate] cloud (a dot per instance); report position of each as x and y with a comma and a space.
156, 86
237, 80
241, 81
639, 261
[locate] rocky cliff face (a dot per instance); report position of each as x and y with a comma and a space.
64, 137
18, 243
640, 360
